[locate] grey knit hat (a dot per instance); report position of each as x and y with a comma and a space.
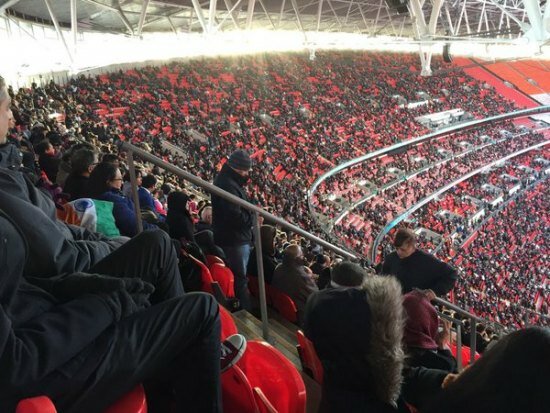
240, 160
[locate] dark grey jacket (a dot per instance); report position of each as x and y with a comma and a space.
231, 224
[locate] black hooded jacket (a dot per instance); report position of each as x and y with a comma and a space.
40, 336
179, 220
231, 224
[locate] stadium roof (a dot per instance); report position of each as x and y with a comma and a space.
454, 20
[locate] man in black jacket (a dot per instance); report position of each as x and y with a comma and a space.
417, 269
231, 224
84, 340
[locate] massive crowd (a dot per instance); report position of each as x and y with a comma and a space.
297, 119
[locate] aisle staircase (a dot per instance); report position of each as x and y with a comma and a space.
283, 338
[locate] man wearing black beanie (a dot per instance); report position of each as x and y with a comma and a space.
231, 224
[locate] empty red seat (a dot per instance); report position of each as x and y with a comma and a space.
224, 277
132, 402
228, 324
308, 356
277, 378
284, 305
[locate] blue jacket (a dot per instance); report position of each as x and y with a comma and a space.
124, 213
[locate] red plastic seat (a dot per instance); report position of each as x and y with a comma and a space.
465, 354
224, 277
228, 324
264, 405
206, 277
309, 357
237, 393
132, 402
212, 259
284, 305
41, 404
277, 378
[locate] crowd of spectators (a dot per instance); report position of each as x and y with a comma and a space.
296, 118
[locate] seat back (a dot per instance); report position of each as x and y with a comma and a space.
40, 404
281, 384
309, 357
264, 405
465, 354
224, 277
284, 305
237, 393
132, 402
228, 324
212, 259
206, 277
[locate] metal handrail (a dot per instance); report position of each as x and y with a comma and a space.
207, 186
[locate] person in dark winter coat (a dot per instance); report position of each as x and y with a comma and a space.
76, 338
267, 232
83, 162
357, 335
179, 220
417, 269
47, 159
293, 278
104, 184
231, 224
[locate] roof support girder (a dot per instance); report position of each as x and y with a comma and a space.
58, 30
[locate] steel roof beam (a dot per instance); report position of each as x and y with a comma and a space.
6, 6
250, 14
58, 30
200, 16
231, 9
142, 16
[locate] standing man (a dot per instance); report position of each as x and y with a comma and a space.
231, 224
415, 268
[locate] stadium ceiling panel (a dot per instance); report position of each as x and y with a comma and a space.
422, 20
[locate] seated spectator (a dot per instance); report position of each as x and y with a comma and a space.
512, 376
426, 346
83, 162
146, 200
205, 240
104, 184
355, 329
77, 340
47, 159
179, 220
293, 278
321, 267
267, 232
10, 155
205, 222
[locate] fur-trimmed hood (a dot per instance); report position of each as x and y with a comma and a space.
386, 355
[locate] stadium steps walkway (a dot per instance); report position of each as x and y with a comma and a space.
283, 338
